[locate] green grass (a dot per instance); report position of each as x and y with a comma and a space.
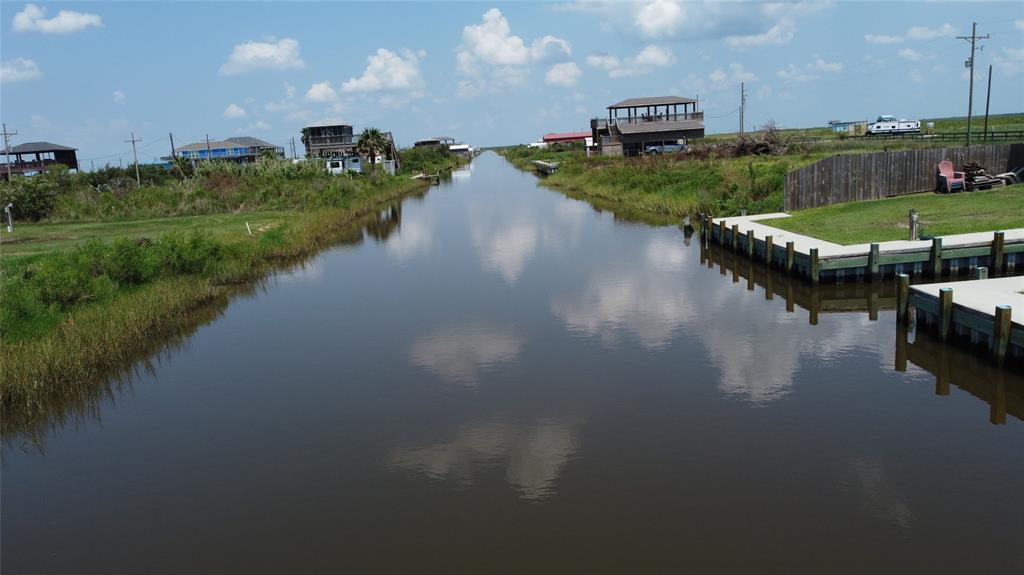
996, 122
38, 238
883, 220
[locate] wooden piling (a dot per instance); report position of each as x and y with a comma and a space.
1001, 333
735, 237
721, 232
750, 244
997, 253
902, 297
945, 312
790, 256
769, 250
873, 263
936, 257
815, 266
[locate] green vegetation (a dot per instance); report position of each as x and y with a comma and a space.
429, 160
939, 215
83, 298
996, 122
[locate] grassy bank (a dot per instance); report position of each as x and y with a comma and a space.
883, 220
83, 300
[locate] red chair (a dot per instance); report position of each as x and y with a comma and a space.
948, 179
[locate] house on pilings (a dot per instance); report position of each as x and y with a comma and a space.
637, 123
34, 157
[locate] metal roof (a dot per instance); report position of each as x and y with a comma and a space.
328, 122
37, 147
251, 142
660, 127
567, 136
652, 101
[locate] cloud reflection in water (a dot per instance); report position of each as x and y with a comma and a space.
460, 353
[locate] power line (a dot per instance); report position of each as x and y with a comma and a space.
7, 149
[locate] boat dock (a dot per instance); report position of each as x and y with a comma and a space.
817, 260
546, 168
977, 313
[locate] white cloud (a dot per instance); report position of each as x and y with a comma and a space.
321, 92
925, 33
792, 74
119, 97
491, 57
270, 55
659, 18
387, 70
917, 77
1010, 61
32, 19
1018, 24
910, 54
644, 62
882, 39
234, 112
780, 33
733, 76
19, 70
822, 65
566, 74
259, 125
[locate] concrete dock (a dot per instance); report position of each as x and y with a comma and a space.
977, 313
818, 260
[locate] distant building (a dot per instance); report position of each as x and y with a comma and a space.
242, 150
435, 141
329, 139
858, 128
32, 157
634, 124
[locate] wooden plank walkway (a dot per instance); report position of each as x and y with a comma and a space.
818, 260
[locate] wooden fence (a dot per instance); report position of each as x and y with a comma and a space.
855, 177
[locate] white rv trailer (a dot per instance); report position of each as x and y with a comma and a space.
890, 125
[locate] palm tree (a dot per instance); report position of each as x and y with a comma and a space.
371, 142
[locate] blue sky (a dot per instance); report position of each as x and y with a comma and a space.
87, 74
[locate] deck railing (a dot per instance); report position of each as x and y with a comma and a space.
647, 118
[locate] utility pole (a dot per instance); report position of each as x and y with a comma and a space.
209, 154
973, 39
174, 156
293, 147
743, 105
988, 98
138, 179
7, 149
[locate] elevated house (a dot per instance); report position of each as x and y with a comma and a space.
242, 150
568, 138
329, 139
435, 141
633, 125
32, 157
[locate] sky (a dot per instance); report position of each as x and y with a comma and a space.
89, 74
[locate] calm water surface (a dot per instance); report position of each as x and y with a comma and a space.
502, 379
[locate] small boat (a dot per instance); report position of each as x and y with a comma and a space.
427, 176
546, 168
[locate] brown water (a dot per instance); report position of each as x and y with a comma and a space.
502, 379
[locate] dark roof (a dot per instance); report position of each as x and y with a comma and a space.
38, 147
645, 127
250, 142
654, 101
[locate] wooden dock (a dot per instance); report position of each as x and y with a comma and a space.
977, 314
819, 261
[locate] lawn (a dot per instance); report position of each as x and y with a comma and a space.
30, 239
883, 220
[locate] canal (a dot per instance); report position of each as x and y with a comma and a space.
498, 378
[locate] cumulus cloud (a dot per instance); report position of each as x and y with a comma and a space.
19, 70
780, 33
910, 54
659, 18
33, 19
1018, 24
118, 96
566, 74
234, 112
644, 62
792, 74
270, 55
735, 74
822, 65
321, 92
387, 70
925, 33
882, 39
491, 57
1010, 61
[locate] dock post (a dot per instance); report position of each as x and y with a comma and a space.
913, 224
901, 347
815, 266
873, 263
1001, 333
769, 250
735, 237
790, 253
997, 253
750, 244
902, 297
982, 273
721, 232
945, 312
936, 257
